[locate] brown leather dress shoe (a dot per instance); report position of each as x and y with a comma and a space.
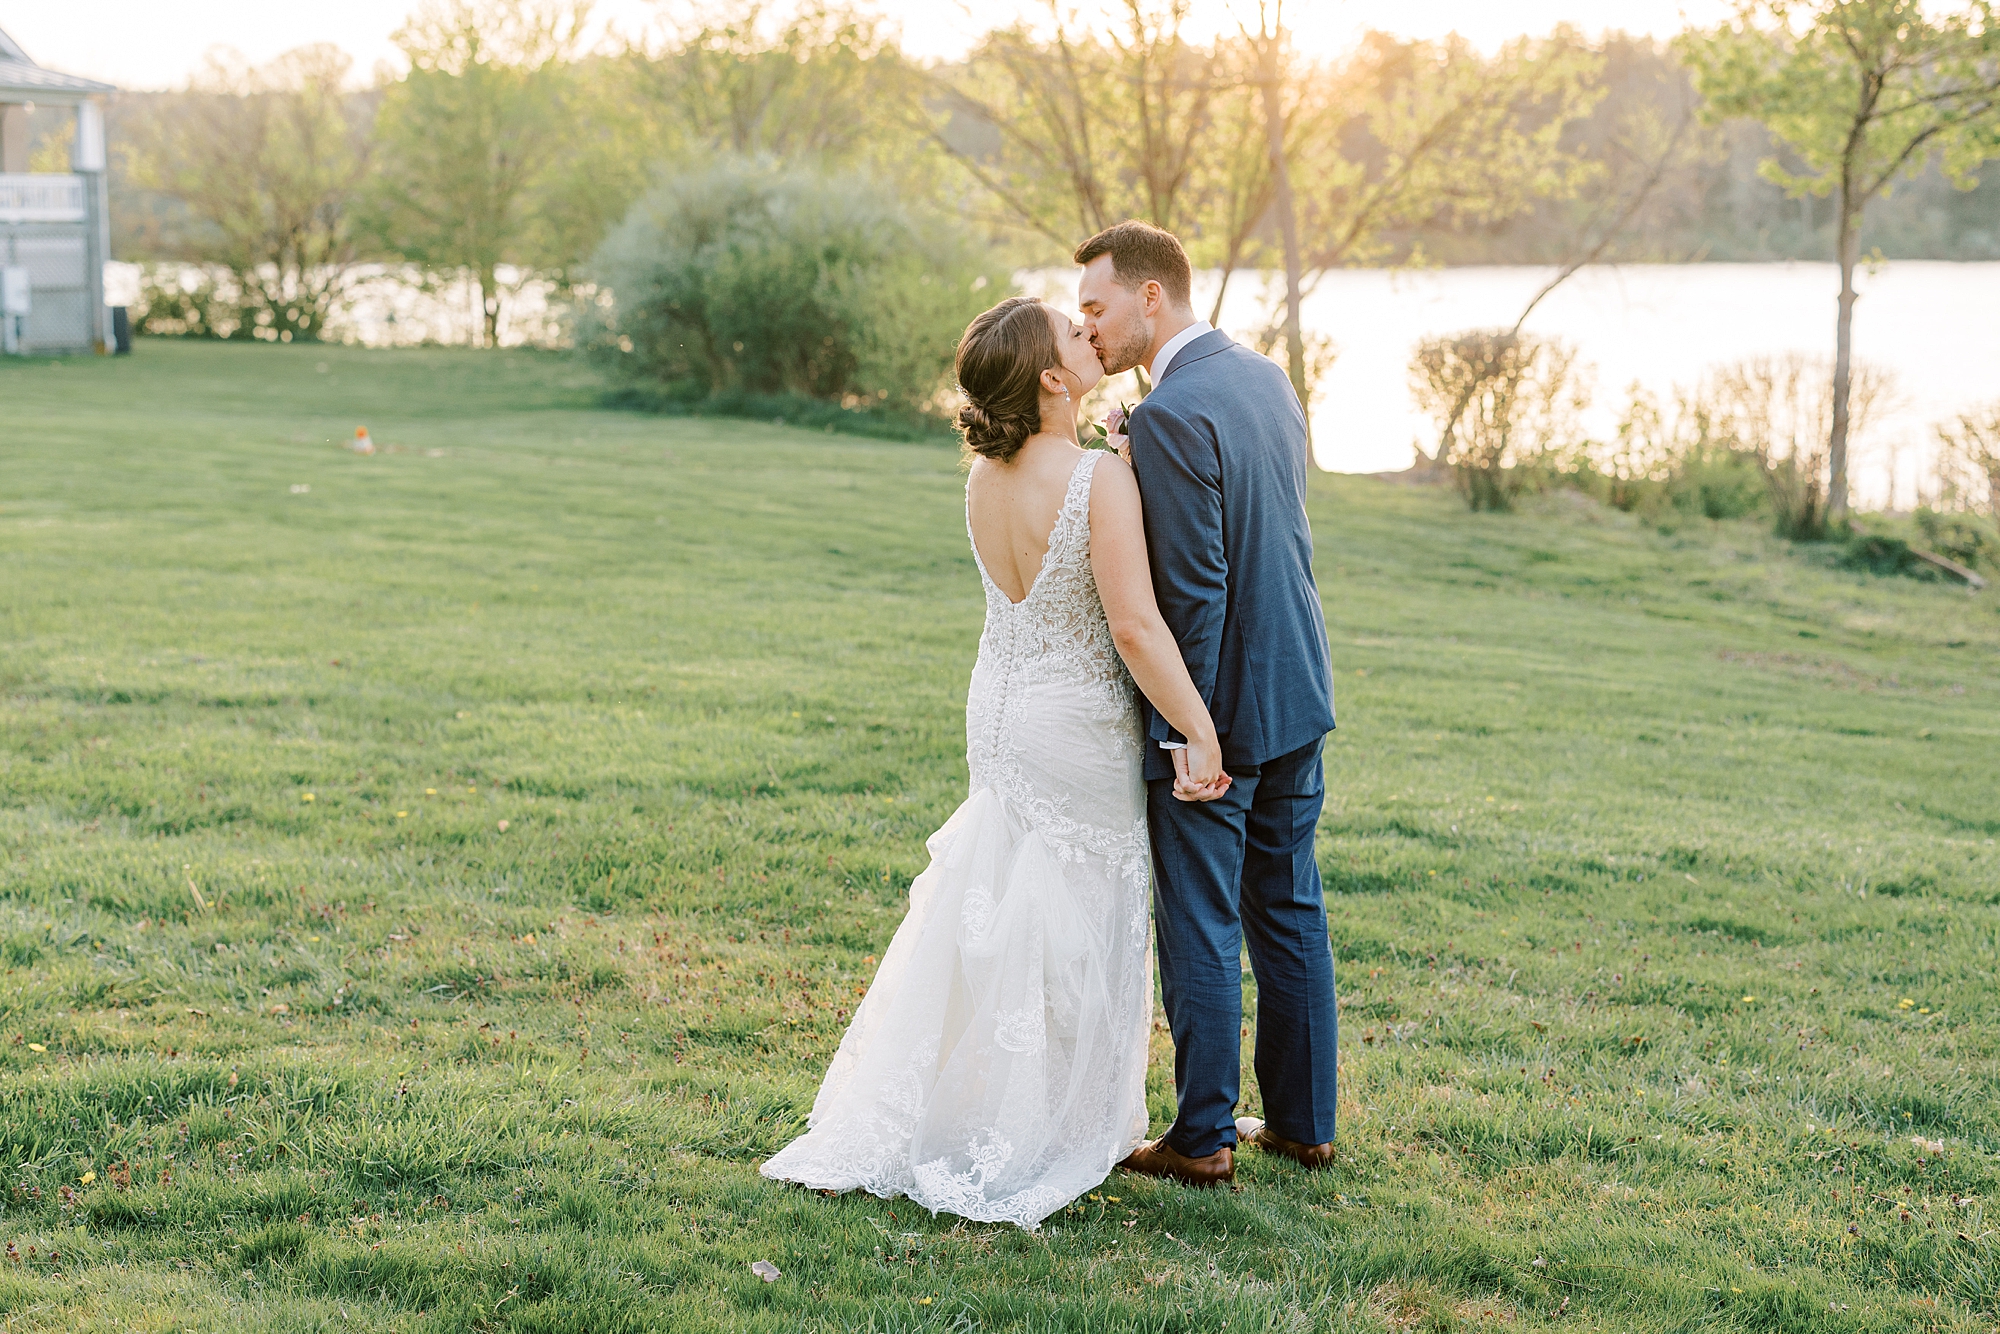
1249, 1130
1158, 1159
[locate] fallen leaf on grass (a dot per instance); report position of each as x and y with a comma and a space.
765, 1270
36, 1046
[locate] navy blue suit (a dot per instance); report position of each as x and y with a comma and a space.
1219, 450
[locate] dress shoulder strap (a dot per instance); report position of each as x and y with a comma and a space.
1079, 479
1073, 520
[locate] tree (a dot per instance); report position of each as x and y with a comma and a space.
1486, 368
828, 84
1864, 92
1414, 134
1269, 44
265, 161
1444, 135
1073, 132
465, 136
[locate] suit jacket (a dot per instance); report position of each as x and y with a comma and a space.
1219, 450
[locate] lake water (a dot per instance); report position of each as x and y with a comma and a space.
1936, 325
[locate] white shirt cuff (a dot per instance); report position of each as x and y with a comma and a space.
1173, 745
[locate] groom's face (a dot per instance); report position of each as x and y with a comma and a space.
1118, 317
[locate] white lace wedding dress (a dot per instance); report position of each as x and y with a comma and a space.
996, 1069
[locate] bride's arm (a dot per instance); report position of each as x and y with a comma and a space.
1151, 654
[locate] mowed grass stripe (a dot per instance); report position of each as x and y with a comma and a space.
1638, 843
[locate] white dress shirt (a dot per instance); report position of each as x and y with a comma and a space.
1165, 359
1161, 364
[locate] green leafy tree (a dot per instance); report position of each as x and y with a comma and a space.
826, 84
1083, 127
264, 161
465, 138
1433, 131
1402, 136
1254, 156
1863, 92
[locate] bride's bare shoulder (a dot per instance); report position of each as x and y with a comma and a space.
1110, 462
1114, 491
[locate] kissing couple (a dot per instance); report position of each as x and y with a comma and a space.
1143, 726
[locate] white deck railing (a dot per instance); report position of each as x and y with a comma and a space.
40, 198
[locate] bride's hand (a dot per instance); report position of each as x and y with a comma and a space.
1123, 444
1198, 772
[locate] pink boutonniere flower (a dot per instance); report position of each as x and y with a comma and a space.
1111, 433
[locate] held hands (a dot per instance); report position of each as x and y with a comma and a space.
1198, 772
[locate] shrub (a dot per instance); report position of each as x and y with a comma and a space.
169, 308
1961, 537
749, 279
1634, 470
215, 301
1880, 554
1717, 482
1969, 462
1508, 408
1658, 462
1779, 411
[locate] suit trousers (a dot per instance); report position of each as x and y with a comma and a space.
1228, 873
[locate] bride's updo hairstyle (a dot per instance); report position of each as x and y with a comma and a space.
1000, 365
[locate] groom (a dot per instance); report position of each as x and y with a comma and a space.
1219, 449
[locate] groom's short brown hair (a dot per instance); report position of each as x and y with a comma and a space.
1140, 253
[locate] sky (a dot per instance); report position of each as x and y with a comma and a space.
143, 44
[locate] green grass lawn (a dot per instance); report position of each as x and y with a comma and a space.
431, 882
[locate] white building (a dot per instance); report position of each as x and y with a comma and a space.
55, 227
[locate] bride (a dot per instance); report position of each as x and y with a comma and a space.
997, 1067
